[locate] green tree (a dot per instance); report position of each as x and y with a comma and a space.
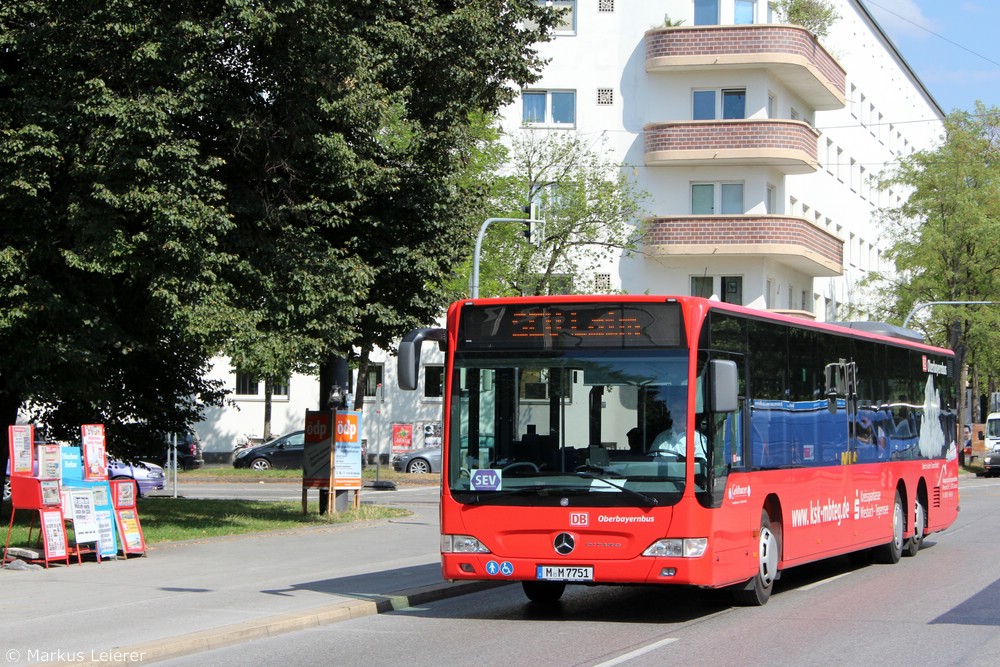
816, 16
189, 177
111, 221
591, 209
944, 239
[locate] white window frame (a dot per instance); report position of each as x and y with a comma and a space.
718, 101
717, 200
548, 121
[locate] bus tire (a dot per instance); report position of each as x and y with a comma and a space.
757, 591
891, 552
914, 543
543, 592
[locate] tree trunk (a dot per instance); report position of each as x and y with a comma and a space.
359, 391
268, 392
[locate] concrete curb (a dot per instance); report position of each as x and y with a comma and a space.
272, 626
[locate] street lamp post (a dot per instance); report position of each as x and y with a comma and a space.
474, 281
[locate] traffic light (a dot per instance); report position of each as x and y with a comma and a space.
527, 223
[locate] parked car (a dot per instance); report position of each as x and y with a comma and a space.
423, 460
283, 453
189, 451
991, 462
148, 476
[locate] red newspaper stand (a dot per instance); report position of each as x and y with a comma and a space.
44, 497
123, 496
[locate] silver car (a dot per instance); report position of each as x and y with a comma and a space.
423, 460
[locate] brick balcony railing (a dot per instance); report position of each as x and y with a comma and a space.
788, 145
792, 53
786, 239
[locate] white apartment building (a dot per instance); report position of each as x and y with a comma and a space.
758, 144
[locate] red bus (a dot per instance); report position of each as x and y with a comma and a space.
677, 440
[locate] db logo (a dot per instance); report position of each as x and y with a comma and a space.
579, 519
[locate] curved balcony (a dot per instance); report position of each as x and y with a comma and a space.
791, 53
788, 145
787, 240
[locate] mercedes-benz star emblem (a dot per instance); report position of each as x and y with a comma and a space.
564, 543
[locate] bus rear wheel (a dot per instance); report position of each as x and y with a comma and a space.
891, 552
543, 592
914, 543
757, 591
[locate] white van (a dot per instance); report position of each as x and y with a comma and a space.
991, 460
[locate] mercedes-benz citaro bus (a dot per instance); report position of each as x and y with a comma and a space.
682, 441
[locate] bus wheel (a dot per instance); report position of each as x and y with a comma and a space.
543, 592
890, 553
758, 590
914, 543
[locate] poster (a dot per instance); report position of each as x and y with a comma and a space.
432, 434
124, 493
21, 438
78, 506
130, 531
55, 534
95, 458
402, 438
107, 545
345, 440
51, 494
49, 461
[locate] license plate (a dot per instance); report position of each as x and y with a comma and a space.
565, 572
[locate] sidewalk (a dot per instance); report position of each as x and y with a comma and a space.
192, 596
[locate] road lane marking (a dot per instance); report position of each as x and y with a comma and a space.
636, 653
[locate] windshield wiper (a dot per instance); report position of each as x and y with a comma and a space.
649, 500
539, 489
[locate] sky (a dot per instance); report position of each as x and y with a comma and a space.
952, 45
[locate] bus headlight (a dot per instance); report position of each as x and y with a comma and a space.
691, 547
462, 544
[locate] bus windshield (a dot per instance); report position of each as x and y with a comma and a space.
606, 427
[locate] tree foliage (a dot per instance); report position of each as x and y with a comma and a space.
250, 176
816, 16
945, 240
590, 207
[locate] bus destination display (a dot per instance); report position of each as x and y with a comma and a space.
605, 325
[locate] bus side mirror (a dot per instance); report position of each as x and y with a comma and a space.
408, 361
725, 385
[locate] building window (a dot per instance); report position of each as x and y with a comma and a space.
732, 289
373, 378
433, 381
246, 384
713, 104
702, 286
706, 12
772, 106
548, 107
707, 198
743, 12
567, 22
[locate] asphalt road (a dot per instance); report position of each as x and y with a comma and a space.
291, 490
940, 608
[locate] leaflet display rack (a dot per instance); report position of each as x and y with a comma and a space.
123, 496
41, 497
